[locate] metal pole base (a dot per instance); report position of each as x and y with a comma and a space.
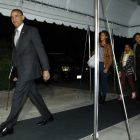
97, 136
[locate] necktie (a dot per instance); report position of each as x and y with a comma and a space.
16, 37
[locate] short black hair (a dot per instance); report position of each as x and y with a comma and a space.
128, 44
135, 37
107, 34
18, 11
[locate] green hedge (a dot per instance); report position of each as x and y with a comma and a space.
5, 64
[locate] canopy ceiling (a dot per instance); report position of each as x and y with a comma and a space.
123, 14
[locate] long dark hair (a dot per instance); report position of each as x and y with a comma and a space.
107, 34
135, 37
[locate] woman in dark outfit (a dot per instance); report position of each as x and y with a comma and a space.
137, 62
105, 60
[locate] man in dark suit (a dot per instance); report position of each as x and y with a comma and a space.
28, 50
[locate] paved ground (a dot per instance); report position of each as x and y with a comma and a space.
85, 85
57, 98
60, 98
119, 132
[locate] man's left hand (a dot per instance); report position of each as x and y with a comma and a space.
46, 75
15, 79
105, 70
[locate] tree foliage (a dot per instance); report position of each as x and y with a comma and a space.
5, 63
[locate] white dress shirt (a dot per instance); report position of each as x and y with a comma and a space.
19, 29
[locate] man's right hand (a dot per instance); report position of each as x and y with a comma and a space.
15, 79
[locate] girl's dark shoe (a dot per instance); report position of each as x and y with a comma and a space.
102, 100
100, 96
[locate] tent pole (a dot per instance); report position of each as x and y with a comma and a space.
96, 72
89, 58
127, 123
87, 39
83, 62
114, 64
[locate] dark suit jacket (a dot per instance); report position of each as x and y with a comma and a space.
28, 53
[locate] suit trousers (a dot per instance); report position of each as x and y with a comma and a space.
22, 90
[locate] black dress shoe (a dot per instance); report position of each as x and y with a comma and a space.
43, 122
6, 131
1, 128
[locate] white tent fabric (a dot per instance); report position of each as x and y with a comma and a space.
124, 13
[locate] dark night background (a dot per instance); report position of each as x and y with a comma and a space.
59, 38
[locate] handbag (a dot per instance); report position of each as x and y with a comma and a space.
91, 62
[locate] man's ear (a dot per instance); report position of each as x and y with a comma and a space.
23, 17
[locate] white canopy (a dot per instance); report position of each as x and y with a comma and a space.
123, 14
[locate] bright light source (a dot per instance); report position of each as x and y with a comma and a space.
65, 68
79, 76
